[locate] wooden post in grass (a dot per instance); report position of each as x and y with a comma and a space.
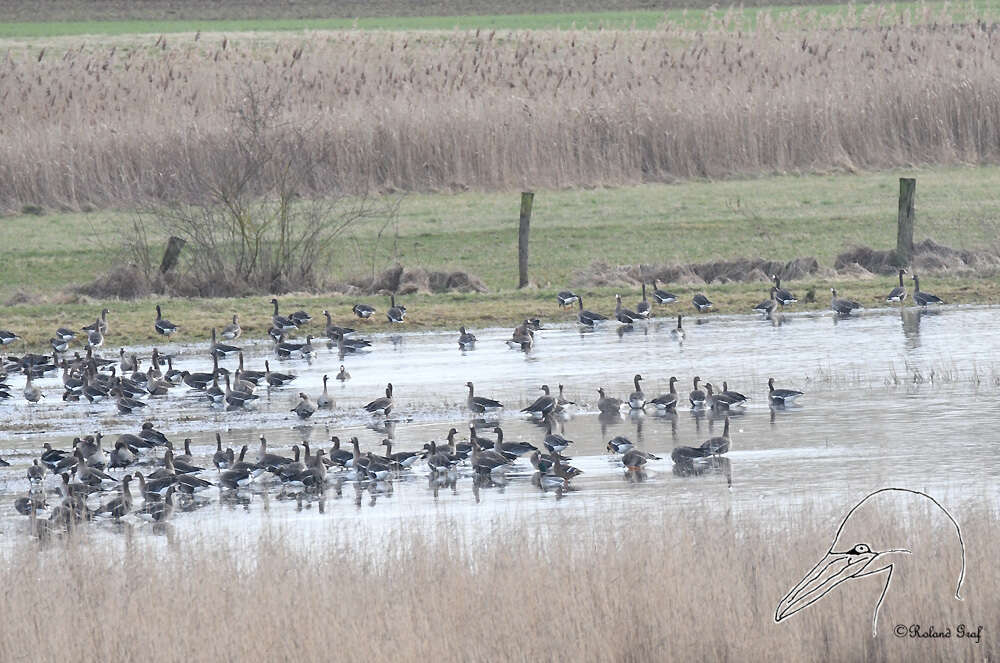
171, 255
904, 229
527, 198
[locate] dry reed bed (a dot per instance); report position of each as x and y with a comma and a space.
633, 587
429, 111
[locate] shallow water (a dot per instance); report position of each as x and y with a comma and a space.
904, 398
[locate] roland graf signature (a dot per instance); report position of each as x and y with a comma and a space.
871, 541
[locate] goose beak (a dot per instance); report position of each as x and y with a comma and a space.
834, 569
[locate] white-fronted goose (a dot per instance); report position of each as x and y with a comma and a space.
305, 408
232, 331
697, 396
542, 405
719, 402
121, 456
781, 295
250, 376
276, 379
566, 298
121, 505
100, 324
637, 399
300, 318
643, 308
221, 349
395, 313
780, 396
662, 296
32, 394
678, 331
95, 338
481, 404
898, 294
842, 307
7, 337
734, 395
588, 318
237, 397
381, 405
514, 448
343, 375
162, 326
484, 462
624, 315
634, 459
363, 311
717, 446
333, 332
36, 472
280, 322
466, 339
150, 434
923, 298
667, 401
767, 306
562, 400
401, 459
619, 444
173, 376
58, 344
324, 401
158, 511
522, 338
701, 303
222, 460
608, 405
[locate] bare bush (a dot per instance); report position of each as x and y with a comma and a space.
419, 111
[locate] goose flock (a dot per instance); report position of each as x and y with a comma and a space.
95, 478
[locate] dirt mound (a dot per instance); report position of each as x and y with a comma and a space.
744, 270
928, 257
402, 281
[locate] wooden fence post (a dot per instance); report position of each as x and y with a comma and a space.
527, 198
171, 255
904, 230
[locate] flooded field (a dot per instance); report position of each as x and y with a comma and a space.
903, 398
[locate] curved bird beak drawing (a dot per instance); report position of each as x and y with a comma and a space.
834, 569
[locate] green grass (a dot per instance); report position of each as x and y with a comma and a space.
646, 20
779, 218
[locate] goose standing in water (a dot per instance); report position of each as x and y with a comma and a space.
221, 350
276, 379
306, 408
898, 294
395, 313
667, 401
95, 338
363, 311
162, 326
280, 322
781, 295
480, 404
701, 303
324, 401
608, 405
719, 402
561, 400
643, 308
717, 446
32, 394
343, 375
781, 397
678, 331
466, 339
842, 307
733, 395
634, 459
333, 332
566, 298
637, 399
588, 318
697, 396
622, 314
381, 405
232, 331
522, 338
543, 405
662, 296
767, 307
923, 298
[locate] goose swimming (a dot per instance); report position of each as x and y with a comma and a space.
667, 401
588, 318
466, 339
480, 404
608, 405
637, 399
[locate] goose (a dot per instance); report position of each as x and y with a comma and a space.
643, 308
343, 375
32, 394
716, 446
781, 295
215, 392
250, 376
559, 474
95, 338
667, 401
842, 307
338, 456
127, 363
701, 303
127, 404
662, 296
588, 318
897, 294
222, 460
438, 460
466, 339
333, 332
285, 349
150, 434
718, 402
276, 379
733, 395
485, 462
608, 405
36, 472
767, 306
697, 396
637, 399
162, 326
542, 405
58, 344
923, 298
232, 331
307, 351
780, 396
280, 322
624, 315
634, 459
100, 324
240, 384
121, 505
221, 350
287, 471
554, 442
395, 313
562, 401
300, 318
347, 346
314, 476
266, 460
159, 511
566, 298
381, 405
7, 337
173, 376
324, 401
363, 311
402, 459
90, 476
51, 457
156, 386
678, 331
481, 404
522, 338
121, 456
238, 398
619, 444
305, 408
515, 448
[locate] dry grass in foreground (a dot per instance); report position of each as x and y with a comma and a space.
636, 587
545, 109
